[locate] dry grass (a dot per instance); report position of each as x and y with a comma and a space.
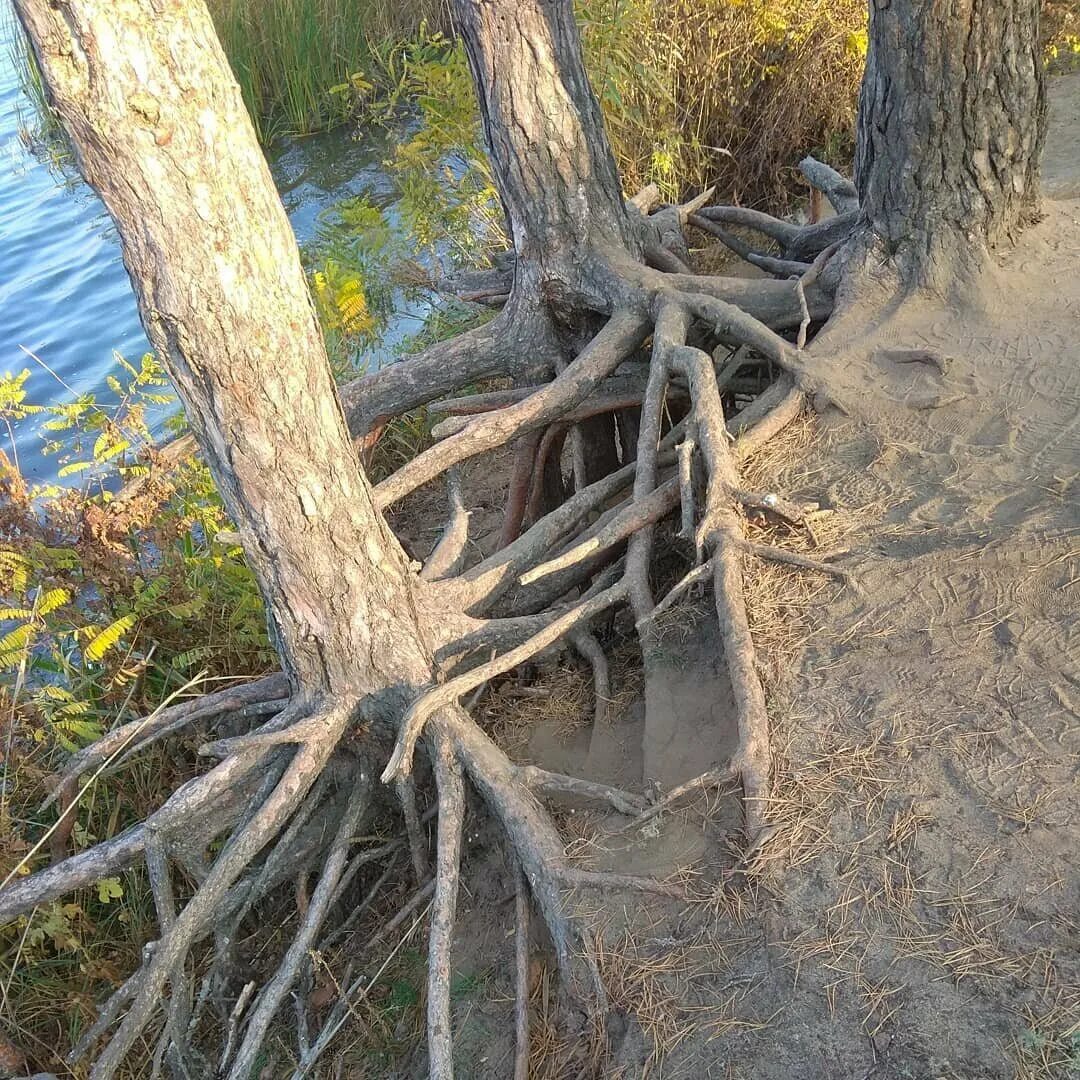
675, 988
561, 701
1050, 1047
725, 91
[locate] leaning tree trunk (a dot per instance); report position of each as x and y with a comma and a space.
950, 131
160, 131
162, 134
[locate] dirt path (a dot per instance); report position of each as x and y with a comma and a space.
935, 790
917, 913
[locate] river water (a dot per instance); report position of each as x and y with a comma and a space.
64, 293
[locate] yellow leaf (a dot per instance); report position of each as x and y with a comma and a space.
53, 599
108, 637
856, 43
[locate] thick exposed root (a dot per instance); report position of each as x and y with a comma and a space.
839, 190
290, 794
288, 972
412, 725
484, 351
622, 334
114, 749
447, 554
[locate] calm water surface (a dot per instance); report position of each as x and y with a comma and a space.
64, 293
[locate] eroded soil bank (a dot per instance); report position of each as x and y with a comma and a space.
915, 913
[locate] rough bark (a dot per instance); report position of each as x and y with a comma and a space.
950, 131
157, 121
545, 137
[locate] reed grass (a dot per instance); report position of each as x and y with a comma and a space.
296, 60
693, 91
731, 92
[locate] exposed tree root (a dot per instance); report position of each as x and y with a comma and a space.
117, 746
289, 793
521, 977
447, 554
451, 816
712, 778
575, 791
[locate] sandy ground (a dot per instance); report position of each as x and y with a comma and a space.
917, 913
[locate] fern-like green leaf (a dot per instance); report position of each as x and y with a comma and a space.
75, 733
53, 599
191, 657
108, 637
188, 609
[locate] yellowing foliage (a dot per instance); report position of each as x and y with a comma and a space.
341, 301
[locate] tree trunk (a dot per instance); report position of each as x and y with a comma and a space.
162, 134
545, 137
951, 120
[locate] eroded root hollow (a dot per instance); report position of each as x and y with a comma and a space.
293, 787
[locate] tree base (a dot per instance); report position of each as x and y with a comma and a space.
294, 789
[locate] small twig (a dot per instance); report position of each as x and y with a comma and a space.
419, 897
351, 919
694, 576
804, 324
575, 790
406, 793
346, 1007
712, 778
792, 558
234, 1023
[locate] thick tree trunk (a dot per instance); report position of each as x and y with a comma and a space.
161, 132
544, 133
951, 121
